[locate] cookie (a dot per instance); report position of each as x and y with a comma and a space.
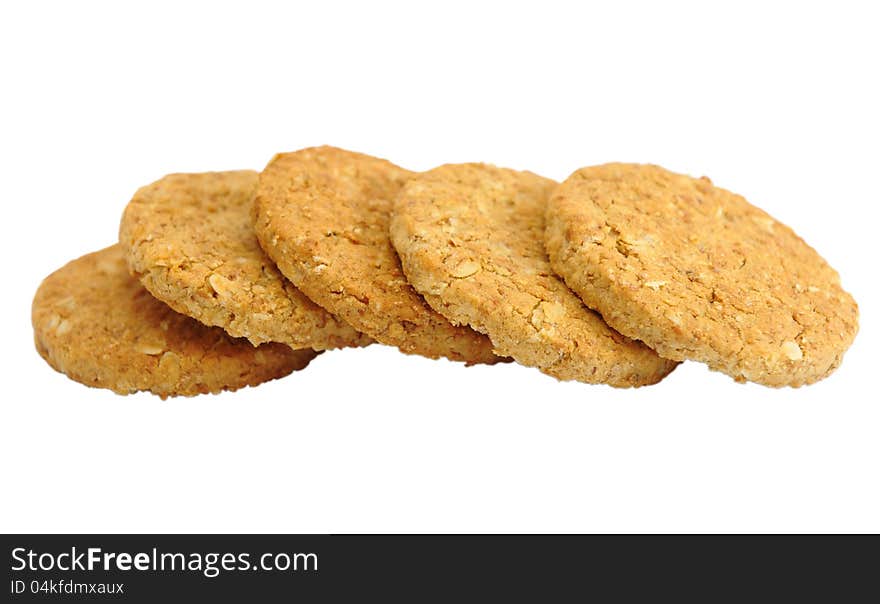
97, 324
190, 240
471, 241
696, 272
322, 215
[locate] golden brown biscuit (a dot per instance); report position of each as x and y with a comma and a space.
322, 215
190, 240
97, 324
471, 241
696, 272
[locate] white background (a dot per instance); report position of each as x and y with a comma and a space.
776, 101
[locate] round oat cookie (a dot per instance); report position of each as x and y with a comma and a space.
97, 324
190, 240
322, 215
696, 272
471, 241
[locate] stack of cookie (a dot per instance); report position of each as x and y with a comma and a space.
228, 279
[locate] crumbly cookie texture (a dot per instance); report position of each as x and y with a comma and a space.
97, 324
322, 215
190, 240
696, 272
471, 241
